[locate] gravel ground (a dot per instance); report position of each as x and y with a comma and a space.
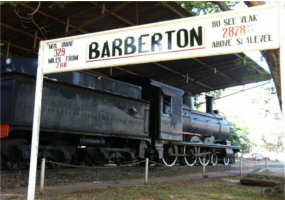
12, 179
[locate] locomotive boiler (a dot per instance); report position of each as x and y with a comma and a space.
97, 120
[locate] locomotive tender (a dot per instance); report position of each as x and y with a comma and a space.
97, 120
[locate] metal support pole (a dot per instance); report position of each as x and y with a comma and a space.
67, 25
255, 160
240, 165
265, 162
8, 50
36, 127
42, 175
35, 40
146, 170
203, 175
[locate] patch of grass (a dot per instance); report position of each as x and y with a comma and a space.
237, 162
276, 165
209, 188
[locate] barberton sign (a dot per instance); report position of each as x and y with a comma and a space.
177, 39
257, 28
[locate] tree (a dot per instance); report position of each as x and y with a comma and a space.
272, 58
206, 7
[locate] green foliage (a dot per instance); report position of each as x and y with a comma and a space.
238, 136
12, 3
203, 7
54, 4
271, 141
198, 100
251, 66
60, 4
162, 3
265, 98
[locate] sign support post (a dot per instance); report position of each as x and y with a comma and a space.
36, 126
282, 59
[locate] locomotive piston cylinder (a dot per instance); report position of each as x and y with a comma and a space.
91, 141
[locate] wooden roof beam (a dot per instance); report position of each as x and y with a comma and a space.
52, 17
213, 68
255, 67
114, 14
218, 73
19, 47
88, 22
20, 31
176, 11
182, 75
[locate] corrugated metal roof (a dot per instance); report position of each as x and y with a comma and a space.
193, 75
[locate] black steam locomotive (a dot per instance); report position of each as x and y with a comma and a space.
98, 120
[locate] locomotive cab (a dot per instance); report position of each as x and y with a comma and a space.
165, 107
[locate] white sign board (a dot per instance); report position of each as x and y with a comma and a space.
222, 33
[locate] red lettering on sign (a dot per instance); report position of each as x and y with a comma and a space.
233, 31
61, 65
59, 52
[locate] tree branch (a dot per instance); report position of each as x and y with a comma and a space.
223, 6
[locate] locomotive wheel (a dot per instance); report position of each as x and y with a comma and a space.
190, 160
167, 159
214, 159
13, 165
226, 161
207, 158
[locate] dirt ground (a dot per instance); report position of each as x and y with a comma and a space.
14, 184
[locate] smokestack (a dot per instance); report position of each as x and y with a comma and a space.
188, 100
209, 104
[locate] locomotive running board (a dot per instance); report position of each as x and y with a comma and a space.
196, 154
206, 145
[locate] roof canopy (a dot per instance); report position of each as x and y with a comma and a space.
21, 31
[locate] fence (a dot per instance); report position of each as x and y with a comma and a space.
147, 161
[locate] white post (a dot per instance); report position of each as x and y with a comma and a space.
240, 169
42, 175
36, 127
146, 170
203, 174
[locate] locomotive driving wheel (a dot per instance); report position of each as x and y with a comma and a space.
13, 165
226, 161
190, 160
214, 159
168, 159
